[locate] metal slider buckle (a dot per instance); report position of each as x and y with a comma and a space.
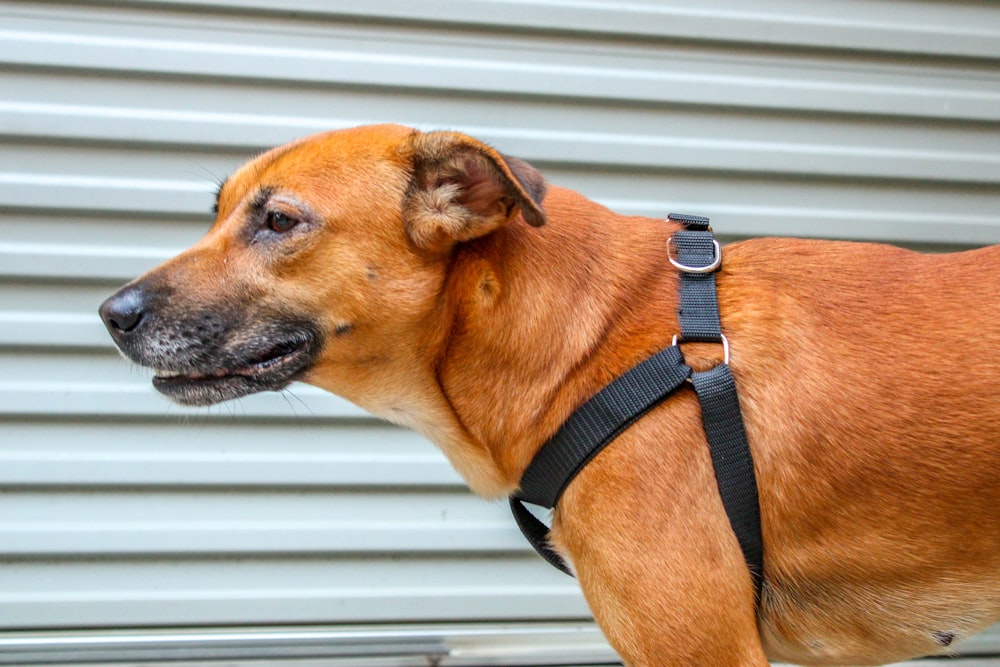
725, 345
716, 261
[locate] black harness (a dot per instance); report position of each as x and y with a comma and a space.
697, 255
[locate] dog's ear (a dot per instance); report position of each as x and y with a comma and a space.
462, 189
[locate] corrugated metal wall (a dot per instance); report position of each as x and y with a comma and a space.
873, 119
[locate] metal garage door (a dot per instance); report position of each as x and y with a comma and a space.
297, 513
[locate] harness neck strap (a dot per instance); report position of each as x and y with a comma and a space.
697, 255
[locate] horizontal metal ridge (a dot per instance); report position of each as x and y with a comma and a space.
220, 589
348, 455
960, 29
525, 66
862, 152
454, 644
252, 522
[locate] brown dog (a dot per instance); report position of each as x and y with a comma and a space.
436, 283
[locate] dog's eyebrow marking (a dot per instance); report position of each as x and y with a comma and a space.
260, 198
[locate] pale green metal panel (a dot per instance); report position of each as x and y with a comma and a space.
873, 119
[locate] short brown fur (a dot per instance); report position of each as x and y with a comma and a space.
869, 378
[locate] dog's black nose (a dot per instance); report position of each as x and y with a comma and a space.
124, 310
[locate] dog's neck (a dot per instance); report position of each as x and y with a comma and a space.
540, 320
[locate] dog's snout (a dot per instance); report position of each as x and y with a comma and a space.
124, 311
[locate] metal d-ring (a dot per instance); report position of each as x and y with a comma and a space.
725, 346
716, 262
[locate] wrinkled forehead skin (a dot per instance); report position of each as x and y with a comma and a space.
351, 183
337, 170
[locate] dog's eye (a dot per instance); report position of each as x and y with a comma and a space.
279, 222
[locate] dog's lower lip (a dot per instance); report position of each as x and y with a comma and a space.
268, 364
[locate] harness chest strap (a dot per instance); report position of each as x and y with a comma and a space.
697, 255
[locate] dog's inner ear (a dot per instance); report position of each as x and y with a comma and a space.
462, 189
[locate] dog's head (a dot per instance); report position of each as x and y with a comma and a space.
326, 263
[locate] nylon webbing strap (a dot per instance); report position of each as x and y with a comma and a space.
599, 421
697, 251
696, 248
537, 533
604, 417
734, 474
588, 430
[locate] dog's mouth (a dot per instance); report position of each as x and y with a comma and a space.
265, 366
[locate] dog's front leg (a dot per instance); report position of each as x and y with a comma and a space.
657, 559
672, 617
